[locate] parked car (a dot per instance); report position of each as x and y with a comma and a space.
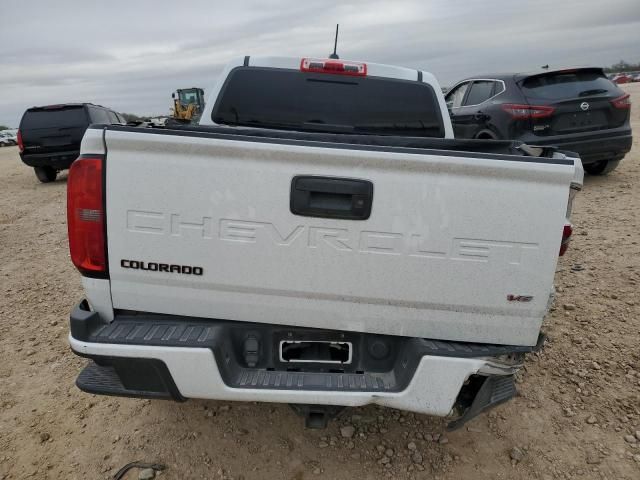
622, 78
8, 139
579, 110
49, 137
320, 238
635, 77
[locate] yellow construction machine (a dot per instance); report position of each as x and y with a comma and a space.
188, 104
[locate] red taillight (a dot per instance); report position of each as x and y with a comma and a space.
566, 236
86, 217
522, 112
337, 67
623, 101
20, 144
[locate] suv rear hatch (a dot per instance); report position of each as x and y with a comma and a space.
54, 128
574, 101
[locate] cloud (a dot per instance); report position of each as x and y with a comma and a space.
131, 55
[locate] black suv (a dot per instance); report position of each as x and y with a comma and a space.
49, 137
577, 109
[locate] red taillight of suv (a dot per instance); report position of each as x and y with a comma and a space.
623, 101
566, 236
20, 144
522, 112
86, 216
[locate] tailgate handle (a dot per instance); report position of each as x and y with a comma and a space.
331, 197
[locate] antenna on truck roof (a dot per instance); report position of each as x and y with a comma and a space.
335, 44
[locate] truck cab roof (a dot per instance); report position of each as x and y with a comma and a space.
372, 69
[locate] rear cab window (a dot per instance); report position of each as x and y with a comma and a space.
302, 101
60, 117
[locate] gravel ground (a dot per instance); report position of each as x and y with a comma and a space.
577, 414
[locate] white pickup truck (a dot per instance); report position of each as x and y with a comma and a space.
319, 239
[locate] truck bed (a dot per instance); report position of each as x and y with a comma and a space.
460, 244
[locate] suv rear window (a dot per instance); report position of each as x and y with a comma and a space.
570, 84
289, 99
59, 118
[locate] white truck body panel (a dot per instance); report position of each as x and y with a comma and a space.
450, 237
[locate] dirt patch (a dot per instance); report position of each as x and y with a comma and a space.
579, 398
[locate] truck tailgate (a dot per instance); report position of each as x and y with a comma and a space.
457, 246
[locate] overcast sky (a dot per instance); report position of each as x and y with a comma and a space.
131, 55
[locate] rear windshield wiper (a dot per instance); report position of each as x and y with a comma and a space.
595, 91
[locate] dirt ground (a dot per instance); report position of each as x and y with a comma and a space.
575, 416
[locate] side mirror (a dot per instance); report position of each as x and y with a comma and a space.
173, 95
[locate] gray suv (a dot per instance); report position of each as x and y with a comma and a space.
576, 109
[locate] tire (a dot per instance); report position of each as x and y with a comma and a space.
602, 167
45, 174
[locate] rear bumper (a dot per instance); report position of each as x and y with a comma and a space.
57, 160
160, 356
592, 147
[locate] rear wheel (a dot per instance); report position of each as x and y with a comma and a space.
45, 174
602, 167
